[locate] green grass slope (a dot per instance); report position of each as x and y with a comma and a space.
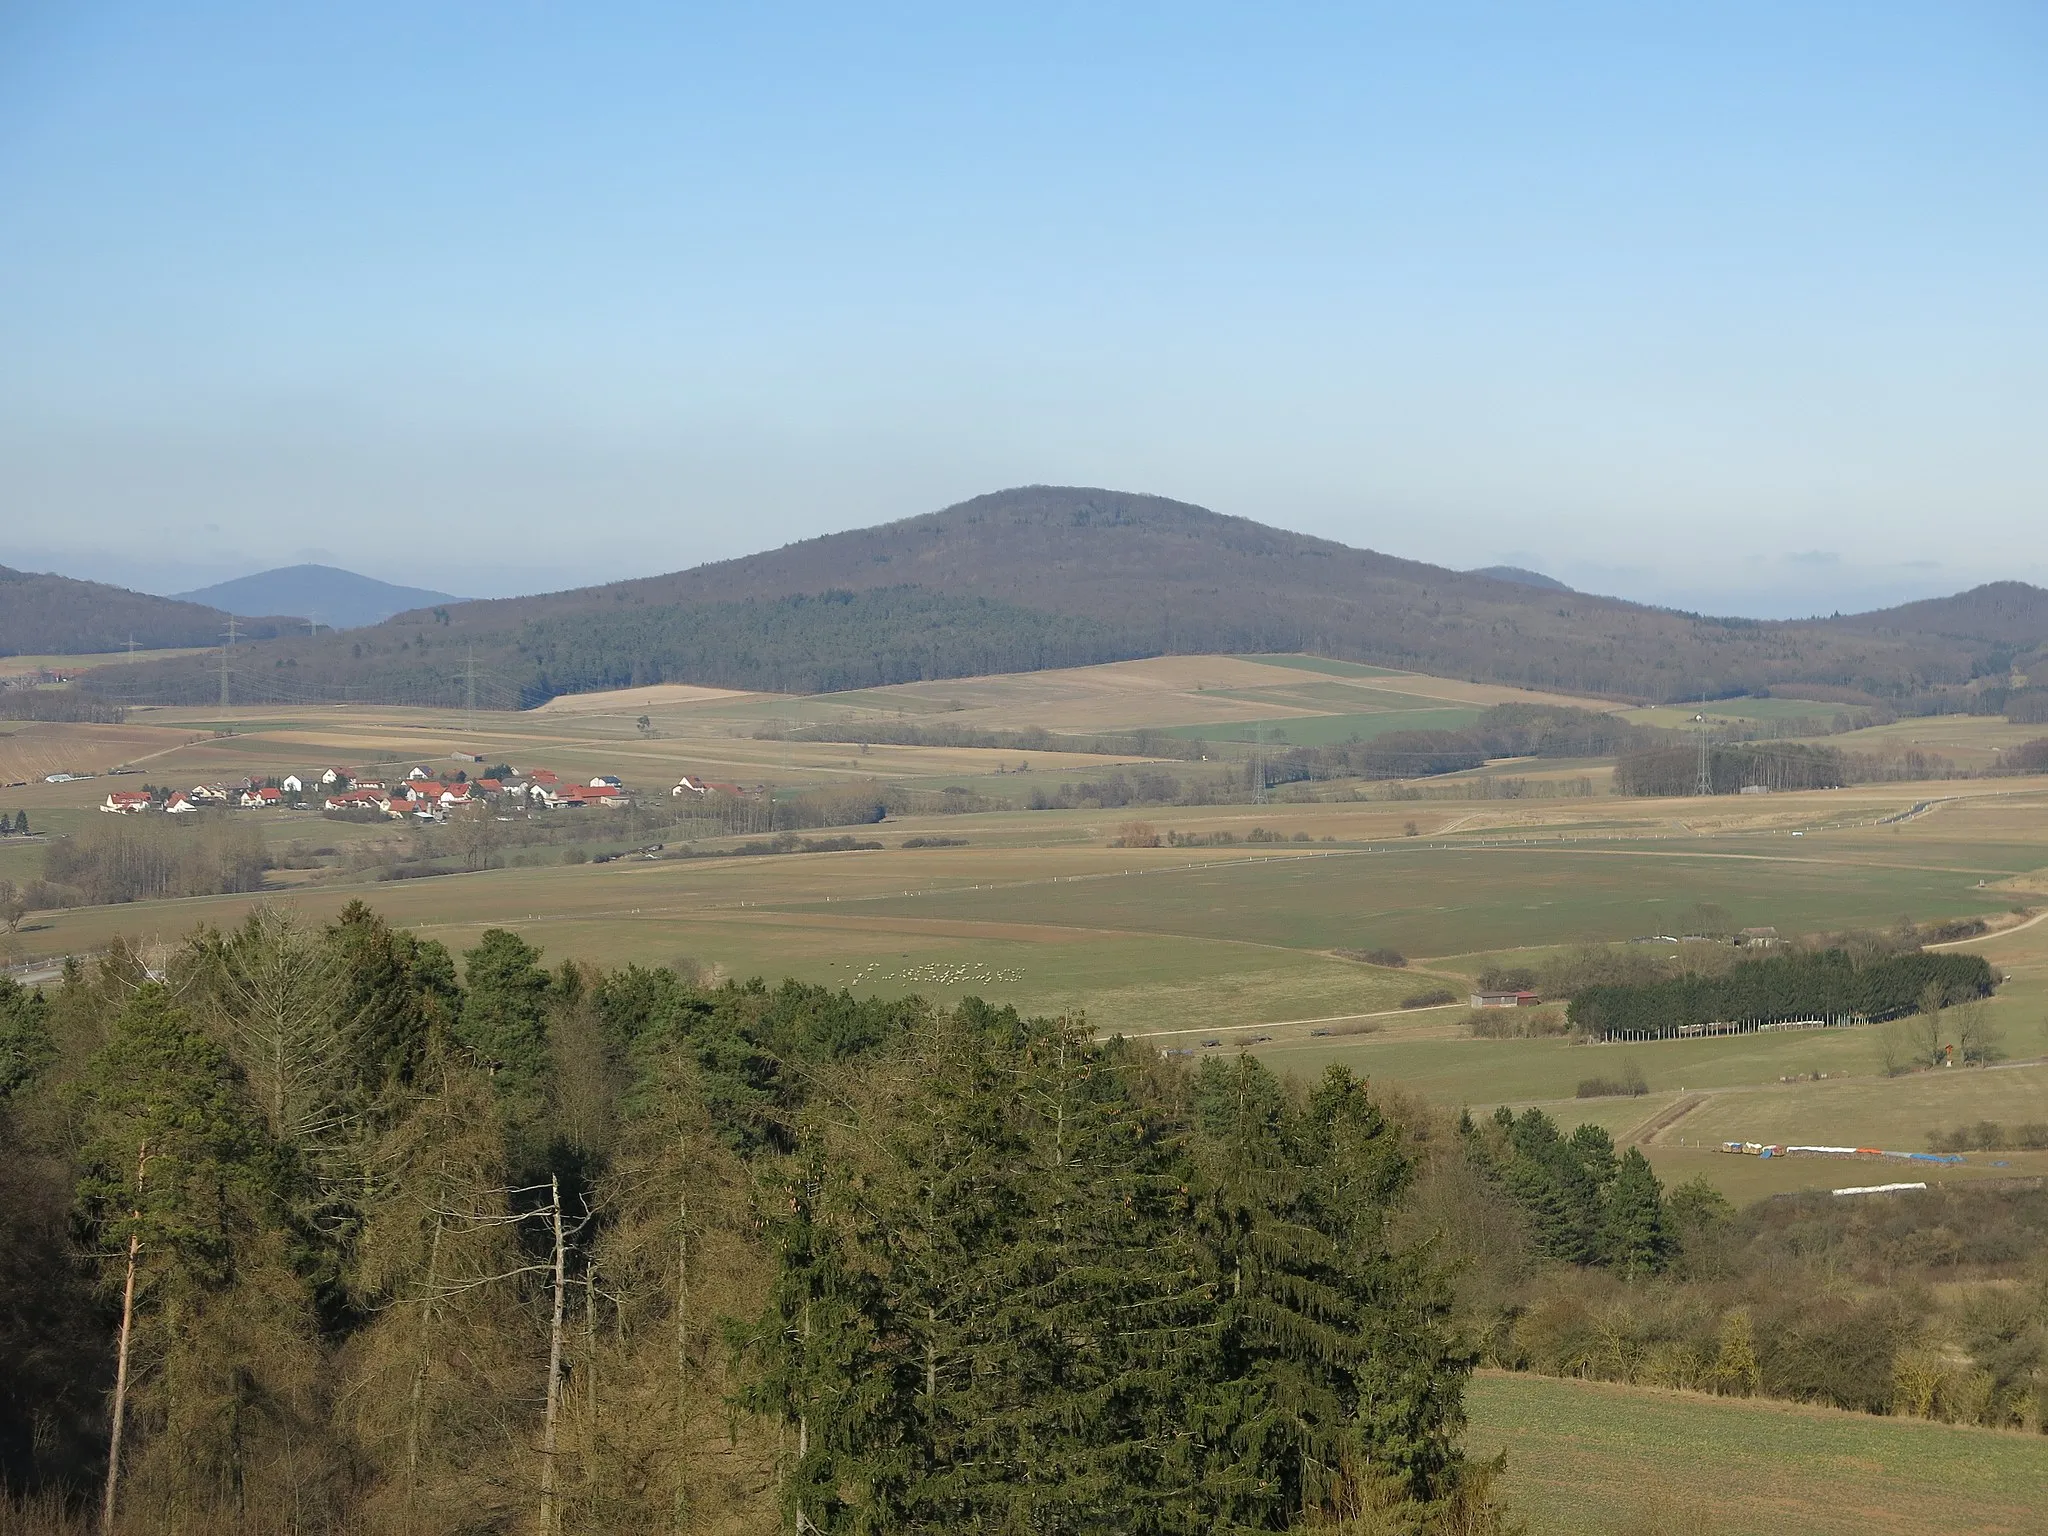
1596, 1459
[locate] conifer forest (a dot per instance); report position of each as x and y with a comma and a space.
328, 1229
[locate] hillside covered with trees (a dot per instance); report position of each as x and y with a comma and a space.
327, 1229
45, 615
1057, 576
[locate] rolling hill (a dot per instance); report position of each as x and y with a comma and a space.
1517, 574
335, 598
1060, 576
2008, 614
48, 615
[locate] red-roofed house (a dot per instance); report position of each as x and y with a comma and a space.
694, 786
125, 802
179, 804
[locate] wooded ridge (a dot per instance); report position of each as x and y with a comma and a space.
1059, 576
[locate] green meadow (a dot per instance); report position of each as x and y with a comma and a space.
1598, 1459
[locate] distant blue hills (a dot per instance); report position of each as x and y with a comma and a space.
1526, 578
323, 594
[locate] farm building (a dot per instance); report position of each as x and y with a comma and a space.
1505, 999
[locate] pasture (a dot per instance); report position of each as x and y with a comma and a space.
1182, 945
1599, 1459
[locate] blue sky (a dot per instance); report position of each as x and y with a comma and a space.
1734, 307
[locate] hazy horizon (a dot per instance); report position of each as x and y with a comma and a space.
178, 579
1737, 312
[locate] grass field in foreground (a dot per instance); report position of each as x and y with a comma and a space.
1598, 1459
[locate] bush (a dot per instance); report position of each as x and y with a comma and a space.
2028, 757
1955, 928
1990, 1136
1630, 1084
1502, 978
1435, 997
787, 842
1517, 1023
1136, 834
1392, 958
935, 842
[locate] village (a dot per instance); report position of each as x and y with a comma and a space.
421, 794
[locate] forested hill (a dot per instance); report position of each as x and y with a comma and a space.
46, 615
2000, 613
1049, 576
337, 599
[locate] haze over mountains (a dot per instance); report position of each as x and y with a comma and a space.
1045, 576
322, 594
43, 614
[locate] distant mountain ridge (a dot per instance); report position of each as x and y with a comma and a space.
1526, 578
323, 594
1062, 575
42, 614
2004, 613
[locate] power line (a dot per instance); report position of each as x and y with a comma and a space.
1704, 783
469, 686
225, 651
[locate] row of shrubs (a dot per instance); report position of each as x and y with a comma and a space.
1990, 1136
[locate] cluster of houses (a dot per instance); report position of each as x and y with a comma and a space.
420, 794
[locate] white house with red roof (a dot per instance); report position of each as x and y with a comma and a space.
126, 802
689, 785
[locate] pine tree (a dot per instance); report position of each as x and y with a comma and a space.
986, 1299
187, 1199
652, 1438
1338, 1361
27, 1045
1102, 1319
1547, 1177
441, 1383
504, 1025
1637, 1236
395, 989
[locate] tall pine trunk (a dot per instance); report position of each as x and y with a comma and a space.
113, 1488
550, 1506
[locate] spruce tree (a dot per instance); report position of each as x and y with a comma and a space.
1338, 1356
1547, 1177
1638, 1239
504, 1024
395, 989
27, 1045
